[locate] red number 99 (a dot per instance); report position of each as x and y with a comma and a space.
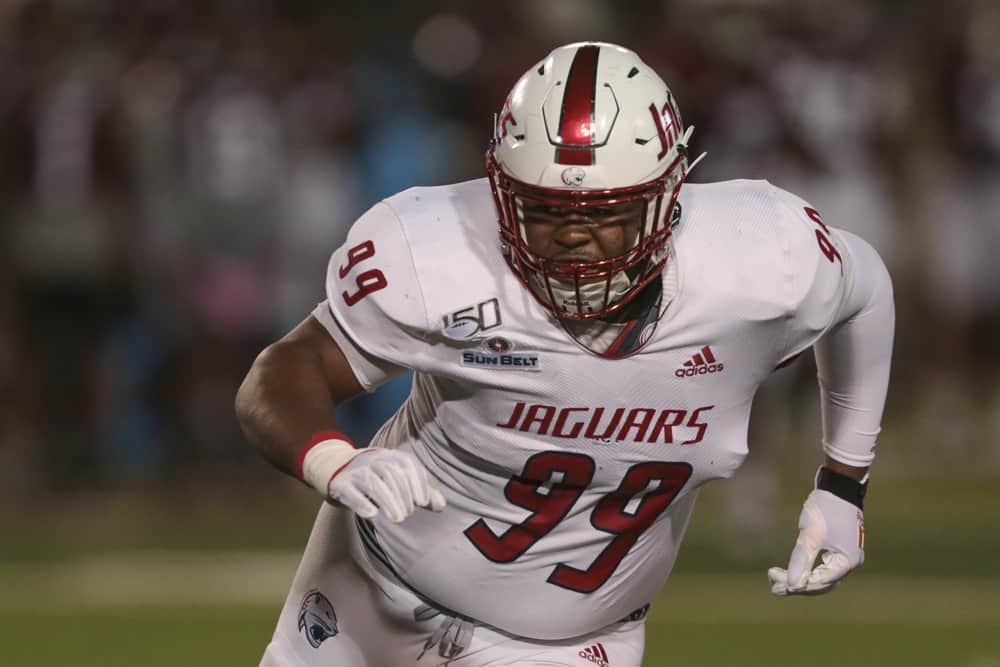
368, 281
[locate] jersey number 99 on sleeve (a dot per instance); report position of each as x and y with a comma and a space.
550, 485
823, 238
368, 281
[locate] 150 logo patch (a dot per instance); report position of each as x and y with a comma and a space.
468, 322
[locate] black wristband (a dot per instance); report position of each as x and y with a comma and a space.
842, 486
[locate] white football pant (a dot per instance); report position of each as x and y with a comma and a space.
341, 612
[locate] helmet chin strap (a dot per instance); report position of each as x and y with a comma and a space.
591, 293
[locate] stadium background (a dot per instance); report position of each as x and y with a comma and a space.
173, 176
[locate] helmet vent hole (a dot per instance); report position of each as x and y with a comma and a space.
641, 142
541, 70
632, 72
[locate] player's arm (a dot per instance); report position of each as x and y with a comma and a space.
367, 330
286, 409
290, 393
853, 360
853, 355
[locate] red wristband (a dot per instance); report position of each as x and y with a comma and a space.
315, 439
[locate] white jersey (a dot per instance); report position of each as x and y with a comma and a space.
570, 478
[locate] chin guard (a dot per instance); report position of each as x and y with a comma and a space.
592, 294
625, 334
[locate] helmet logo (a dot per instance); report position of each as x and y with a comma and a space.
573, 176
506, 116
668, 125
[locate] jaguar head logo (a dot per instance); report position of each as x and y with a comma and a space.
317, 618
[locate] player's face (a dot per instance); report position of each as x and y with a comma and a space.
584, 234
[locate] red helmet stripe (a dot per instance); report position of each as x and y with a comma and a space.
576, 120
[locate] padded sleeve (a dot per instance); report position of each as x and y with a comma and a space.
854, 357
843, 307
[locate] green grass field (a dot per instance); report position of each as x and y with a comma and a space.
697, 620
138, 587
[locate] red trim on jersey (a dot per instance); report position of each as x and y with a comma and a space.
618, 342
576, 120
315, 439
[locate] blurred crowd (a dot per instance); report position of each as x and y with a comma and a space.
174, 176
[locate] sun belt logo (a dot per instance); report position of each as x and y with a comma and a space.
497, 354
596, 654
702, 362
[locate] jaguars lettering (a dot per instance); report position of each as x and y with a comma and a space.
605, 423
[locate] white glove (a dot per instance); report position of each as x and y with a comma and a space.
368, 480
830, 524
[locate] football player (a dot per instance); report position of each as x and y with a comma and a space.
577, 378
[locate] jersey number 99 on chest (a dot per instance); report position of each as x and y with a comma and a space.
550, 485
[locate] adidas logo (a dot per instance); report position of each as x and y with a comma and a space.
702, 362
595, 654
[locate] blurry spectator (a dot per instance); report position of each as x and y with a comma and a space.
173, 177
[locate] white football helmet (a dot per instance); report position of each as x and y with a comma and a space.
590, 125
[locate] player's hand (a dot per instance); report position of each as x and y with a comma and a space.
829, 524
386, 480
